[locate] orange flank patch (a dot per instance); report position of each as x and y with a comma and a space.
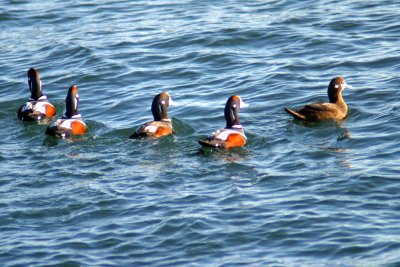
161, 131
78, 127
235, 140
50, 110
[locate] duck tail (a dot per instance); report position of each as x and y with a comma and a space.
295, 114
136, 135
212, 143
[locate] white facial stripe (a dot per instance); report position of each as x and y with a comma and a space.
76, 102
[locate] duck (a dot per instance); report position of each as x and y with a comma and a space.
71, 122
162, 123
38, 107
233, 134
335, 109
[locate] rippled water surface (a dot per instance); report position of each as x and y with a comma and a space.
325, 194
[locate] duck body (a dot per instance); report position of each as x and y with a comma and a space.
153, 129
336, 109
66, 127
320, 111
36, 110
162, 124
38, 107
233, 134
71, 122
225, 138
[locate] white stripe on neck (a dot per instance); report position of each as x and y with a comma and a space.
76, 116
43, 97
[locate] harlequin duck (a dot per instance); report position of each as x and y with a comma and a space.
162, 124
38, 107
71, 122
233, 134
336, 109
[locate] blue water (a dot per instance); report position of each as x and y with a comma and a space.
324, 194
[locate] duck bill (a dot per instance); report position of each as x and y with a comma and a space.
172, 103
346, 85
243, 105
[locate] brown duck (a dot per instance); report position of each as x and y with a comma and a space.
336, 109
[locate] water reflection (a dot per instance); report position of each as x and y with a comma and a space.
345, 134
50, 140
228, 155
343, 153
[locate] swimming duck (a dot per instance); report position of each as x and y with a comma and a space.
71, 122
233, 134
162, 124
336, 109
38, 107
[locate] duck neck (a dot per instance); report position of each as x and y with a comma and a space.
159, 111
35, 87
231, 117
338, 100
71, 105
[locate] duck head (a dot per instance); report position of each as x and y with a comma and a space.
71, 102
35, 84
159, 106
336, 86
232, 107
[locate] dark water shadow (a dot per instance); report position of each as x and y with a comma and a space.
228, 155
320, 124
94, 129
